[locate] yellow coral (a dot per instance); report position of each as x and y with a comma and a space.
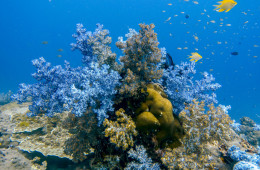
121, 131
155, 114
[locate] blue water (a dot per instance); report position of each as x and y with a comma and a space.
24, 25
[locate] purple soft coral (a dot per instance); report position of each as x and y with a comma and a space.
61, 89
182, 89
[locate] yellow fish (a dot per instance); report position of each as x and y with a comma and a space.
45, 42
225, 5
195, 57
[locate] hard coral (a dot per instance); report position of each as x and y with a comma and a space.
155, 114
121, 131
141, 59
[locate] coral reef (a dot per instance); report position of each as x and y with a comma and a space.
13, 160
141, 59
5, 97
44, 134
74, 118
248, 130
121, 131
95, 46
204, 133
61, 89
181, 88
244, 160
155, 115
141, 160
85, 135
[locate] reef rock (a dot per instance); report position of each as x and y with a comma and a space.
39, 133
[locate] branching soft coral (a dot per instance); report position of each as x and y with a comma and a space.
181, 88
95, 46
141, 59
141, 160
121, 131
204, 133
59, 89
201, 127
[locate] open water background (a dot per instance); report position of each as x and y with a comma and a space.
24, 25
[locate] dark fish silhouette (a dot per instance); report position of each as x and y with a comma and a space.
169, 62
187, 16
234, 53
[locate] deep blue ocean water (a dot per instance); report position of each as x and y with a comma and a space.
24, 25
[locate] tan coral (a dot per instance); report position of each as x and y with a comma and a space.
121, 131
205, 132
142, 57
44, 134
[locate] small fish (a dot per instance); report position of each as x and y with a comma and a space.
163, 11
196, 2
195, 57
234, 53
228, 25
225, 5
169, 61
45, 42
170, 4
60, 49
59, 55
256, 46
210, 69
196, 38
168, 19
187, 16
255, 56
179, 48
212, 21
